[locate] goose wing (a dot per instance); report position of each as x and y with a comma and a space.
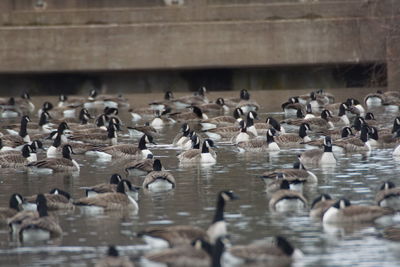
122, 148
288, 139
106, 200
366, 213
176, 235
46, 223
382, 194
258, 252
52, 163
145, 165
190, 154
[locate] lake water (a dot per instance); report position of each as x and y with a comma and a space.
192, 202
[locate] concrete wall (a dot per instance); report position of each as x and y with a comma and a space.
85, 35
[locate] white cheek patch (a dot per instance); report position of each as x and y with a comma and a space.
18, 199
225, 196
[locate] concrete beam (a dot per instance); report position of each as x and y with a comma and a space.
198, 10
192, 45
393, 62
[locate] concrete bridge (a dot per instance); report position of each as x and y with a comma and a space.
49, 36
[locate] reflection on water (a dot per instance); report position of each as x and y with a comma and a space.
86, 236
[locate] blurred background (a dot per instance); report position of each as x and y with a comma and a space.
127, 46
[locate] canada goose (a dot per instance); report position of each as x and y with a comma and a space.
222, 132
234, 101
183, 136
159, 180
199, 253
335, 134
295, 175
315, 102
113, 259
109, 137
196, 114
319, 157
193, 141
180, 235
393, 129
355, 107
64, 164
43, 227
343, 212
14, 206
292, 106
203, 155
163, 104
126, 151
140, 167
57, 199
25, 103
160, 119
259, 145
374, 99
218, 106
320, 205
355, 144
269, 123
105, 187
383, 140
341, 119
392, 233
118, 200
22, 137
144, 129
242, 135
280, 253
247, 105
291, 139
251, 116
309, 112
396, 151
317, 122
197, 99
388, 196
9, 109
286, 199
18, 160
221, 121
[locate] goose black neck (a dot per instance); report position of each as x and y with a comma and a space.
396, 126
342, 111
270, 138
327, 148
57, 141
204, 148
22, 131
249, 122
196, 145
217, 251
219, 212
66, 154
111, 131
142, 143
14, 203
43, 119
42, 209
364, 134
302, 131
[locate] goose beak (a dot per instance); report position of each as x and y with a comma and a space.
235, 196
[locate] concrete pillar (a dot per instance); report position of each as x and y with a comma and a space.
393, 62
